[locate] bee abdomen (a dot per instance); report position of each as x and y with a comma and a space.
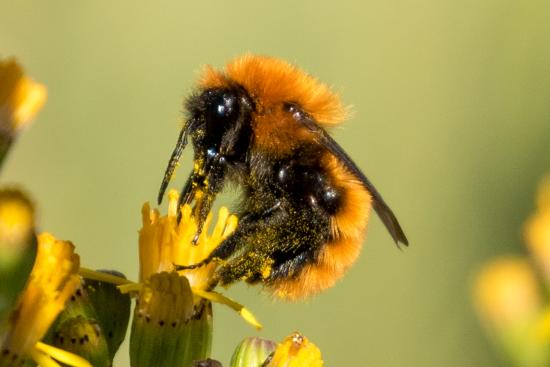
348, 212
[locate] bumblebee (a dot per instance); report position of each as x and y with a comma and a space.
260, 123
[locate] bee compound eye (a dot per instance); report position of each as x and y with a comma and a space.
222, 106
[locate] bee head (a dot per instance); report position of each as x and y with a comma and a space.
219, 126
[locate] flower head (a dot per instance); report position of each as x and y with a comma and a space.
20, 98
52, 281
16, 223
537, 230
164, 242
17, 245
506, 291
509, 303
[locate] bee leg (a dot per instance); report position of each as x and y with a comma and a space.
257, 240
250, 266
247, 225
210, 185
201, 210
222, 252
252, 217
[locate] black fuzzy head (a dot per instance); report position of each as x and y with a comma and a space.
220, 125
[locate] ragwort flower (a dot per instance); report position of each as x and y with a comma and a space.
173, 309
17, 245
52, 281
164, 241
537, 231
20, 100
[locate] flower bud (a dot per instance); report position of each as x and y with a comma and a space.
85, 338
112, 310
167, 330
252, 352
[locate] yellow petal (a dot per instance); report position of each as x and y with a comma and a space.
219, 298
62, 355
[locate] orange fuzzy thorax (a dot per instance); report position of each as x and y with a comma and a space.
272, 82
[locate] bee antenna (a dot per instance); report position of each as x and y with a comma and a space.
174, 159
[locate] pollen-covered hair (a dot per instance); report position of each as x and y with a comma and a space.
272, 82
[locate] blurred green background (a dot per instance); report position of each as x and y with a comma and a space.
451, 122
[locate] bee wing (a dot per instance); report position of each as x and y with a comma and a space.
380, 206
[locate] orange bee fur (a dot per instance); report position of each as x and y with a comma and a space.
260, 122
273, 82
348, 226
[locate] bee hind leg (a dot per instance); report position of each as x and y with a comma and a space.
248, 248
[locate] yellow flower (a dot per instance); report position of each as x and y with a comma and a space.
509, 303
537, 230
507, 292
16, 224
20, 98
17, 246
296, 351
164, 242
53, 279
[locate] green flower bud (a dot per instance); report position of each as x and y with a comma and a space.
84, 337
207, 363
196, 339
252, 352
101, 304
167, 330
112, 310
